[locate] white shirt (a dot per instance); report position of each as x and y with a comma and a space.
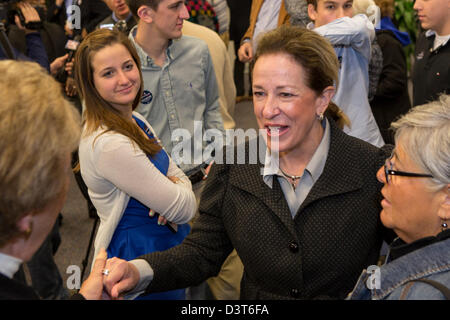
351, 39
440, 41
9, 265
267, 19
114, 169
312, 172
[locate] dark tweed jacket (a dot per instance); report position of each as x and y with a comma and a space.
318, 255
11, 289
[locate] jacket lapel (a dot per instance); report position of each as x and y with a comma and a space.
249, 178
335, 178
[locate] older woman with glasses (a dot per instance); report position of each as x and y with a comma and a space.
416, 206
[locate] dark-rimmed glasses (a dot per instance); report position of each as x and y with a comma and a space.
389, 172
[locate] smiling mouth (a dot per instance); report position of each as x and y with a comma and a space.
276, 130
125, 90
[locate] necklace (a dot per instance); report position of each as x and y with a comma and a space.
293, 178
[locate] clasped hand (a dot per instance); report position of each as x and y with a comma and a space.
109, 278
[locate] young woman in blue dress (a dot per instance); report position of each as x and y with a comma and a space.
143, 199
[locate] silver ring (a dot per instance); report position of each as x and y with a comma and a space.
105, 272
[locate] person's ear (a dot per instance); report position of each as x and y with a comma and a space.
312, 13
324, 99
146, 14
444, 206
25, 225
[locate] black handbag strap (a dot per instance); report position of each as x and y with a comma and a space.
439, 286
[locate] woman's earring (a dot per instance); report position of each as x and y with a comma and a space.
320, 117
444, 226
28, 231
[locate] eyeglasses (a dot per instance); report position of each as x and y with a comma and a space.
390, 172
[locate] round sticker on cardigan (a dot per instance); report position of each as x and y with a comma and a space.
147, 97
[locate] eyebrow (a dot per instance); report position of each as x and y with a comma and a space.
175, 4
396, 157
335, 2
125, 62
277, 87
129, 60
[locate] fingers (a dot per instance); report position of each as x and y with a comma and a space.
121, 287
63, 58
17, 22
57, 64
69, 67
173, 179
162, 221
92, 288
100, 262
68, 29
29, 13
208, 168
122, 277
249, 54
71, 89
245, 52
241, 55
117, 270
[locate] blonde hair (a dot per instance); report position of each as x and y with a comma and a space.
38, 128
361, 6
369, 8
425, 136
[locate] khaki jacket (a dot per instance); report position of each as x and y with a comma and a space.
283, 17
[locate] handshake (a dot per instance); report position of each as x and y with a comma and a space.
109, 278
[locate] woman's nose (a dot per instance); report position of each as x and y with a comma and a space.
122, 77
270, 108
381, 176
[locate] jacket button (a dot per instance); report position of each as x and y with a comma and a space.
295, 293
293, 246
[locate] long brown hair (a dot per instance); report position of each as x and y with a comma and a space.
98, 112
